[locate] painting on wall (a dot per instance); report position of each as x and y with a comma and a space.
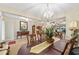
23, 26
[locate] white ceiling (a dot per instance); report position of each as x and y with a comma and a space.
36, 10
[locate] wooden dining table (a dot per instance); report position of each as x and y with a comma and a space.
44, 48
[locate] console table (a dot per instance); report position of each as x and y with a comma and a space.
19, 33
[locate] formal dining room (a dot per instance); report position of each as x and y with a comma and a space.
39, 28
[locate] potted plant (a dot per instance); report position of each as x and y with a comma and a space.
49, 32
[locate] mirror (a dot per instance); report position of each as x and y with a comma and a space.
23, 26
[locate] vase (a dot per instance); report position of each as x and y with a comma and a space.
49, 40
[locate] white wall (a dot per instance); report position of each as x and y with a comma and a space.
12, 25
9, 29
2, 28
71, 16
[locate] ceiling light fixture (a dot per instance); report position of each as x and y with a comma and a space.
48, 13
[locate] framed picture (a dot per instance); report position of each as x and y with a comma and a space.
23, 26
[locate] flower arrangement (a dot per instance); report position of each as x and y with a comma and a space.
49, 32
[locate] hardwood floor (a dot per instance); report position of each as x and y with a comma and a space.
14, 48
24, 50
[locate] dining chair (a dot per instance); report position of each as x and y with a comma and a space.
68, 48
32, 37
69, 45
4, 50
62, 47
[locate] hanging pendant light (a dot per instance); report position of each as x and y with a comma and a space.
48, 13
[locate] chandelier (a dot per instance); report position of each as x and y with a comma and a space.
48, 13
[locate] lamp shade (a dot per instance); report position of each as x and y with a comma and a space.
73, 25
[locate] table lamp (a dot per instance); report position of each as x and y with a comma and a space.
73, 25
